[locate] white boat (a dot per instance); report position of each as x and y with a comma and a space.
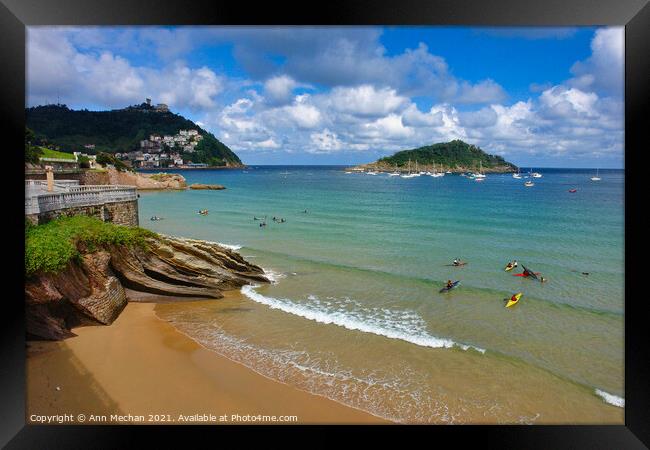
448, 172
479, 179
347, 172
529, 184
417, 172
372, 173
536, 175
596, 178
408, 175
517, 175
480, 173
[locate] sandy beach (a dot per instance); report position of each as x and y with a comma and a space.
140, 369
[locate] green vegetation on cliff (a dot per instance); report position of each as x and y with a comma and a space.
450, 154
51, 246
119, 130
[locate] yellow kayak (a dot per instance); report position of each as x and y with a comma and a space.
514, 300
508, 267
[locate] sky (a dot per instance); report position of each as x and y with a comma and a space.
540, 97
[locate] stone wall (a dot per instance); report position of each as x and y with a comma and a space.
121, 213
95, 178
83, 177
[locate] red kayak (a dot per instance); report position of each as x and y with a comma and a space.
524, 274
573, 190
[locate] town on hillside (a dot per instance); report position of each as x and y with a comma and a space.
155, 152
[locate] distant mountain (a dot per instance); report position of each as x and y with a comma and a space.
456, 156
120, 130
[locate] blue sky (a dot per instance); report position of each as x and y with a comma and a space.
545, 97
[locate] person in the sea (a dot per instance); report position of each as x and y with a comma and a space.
305, 211
543, 280
450, 284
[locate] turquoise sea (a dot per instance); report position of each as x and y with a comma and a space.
355, 312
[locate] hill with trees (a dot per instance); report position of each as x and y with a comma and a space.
119, 130
456, 156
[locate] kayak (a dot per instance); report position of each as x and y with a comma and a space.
453, 285
457, 265
524, 275
514, 300
509, 268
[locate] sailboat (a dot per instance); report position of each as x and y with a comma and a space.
437, 174
596, 178
517, 175
409, 175
480, 175
416, 173
394, 173
536, 175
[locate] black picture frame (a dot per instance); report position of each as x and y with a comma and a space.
15, 15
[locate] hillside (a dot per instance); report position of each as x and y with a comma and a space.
455, 156
120, 131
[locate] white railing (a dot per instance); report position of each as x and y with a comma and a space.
78, 196
59, 183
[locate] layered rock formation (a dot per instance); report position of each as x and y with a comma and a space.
91, 289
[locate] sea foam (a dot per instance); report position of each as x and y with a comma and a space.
350, 321
233, 247
611, 399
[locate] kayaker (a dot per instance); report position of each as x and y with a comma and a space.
543, 280
450, 284
512, 265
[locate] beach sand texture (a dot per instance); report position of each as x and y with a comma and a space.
140, 365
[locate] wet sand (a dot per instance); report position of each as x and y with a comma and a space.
142, 367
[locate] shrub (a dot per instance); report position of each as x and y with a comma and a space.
51, 246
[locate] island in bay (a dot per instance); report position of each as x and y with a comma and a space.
455, 156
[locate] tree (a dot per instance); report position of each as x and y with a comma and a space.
84, 162
105, 159
32, 153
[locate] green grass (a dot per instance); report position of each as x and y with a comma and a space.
49, 153
51, 246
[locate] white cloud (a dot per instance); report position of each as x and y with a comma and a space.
366, 100
279, 89
604, 69
325, 141
413, 117
301, 113
56, 67
563, 102
486, 91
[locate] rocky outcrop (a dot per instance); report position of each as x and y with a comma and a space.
86, 292
91, 290
214, 187
147, 180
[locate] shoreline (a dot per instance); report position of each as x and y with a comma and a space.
142, 365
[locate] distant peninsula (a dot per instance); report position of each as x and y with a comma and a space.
454, 156
129, 133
